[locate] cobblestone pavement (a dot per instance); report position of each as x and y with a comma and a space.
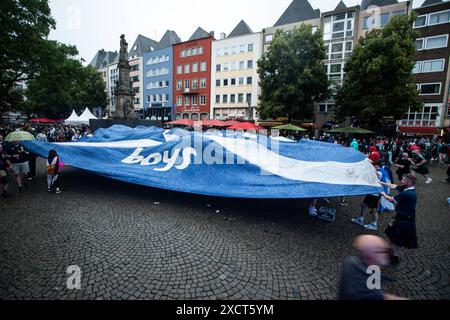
133, 242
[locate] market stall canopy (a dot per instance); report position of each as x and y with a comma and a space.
86, 116
232, 123
245, 126
74, 118
290, 127
42, 120
350, 130
214, 123
182, 122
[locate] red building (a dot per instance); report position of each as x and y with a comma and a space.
192, 76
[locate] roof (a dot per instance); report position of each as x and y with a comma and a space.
240, 30
169, 38
199, 34
430, 3
104, 58
142, 45
298, 10
380, 3
341, 6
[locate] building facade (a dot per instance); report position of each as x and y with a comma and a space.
158, 80
192, 76
234, 79
431, 71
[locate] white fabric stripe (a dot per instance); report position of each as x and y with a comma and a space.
127, 144
359, 173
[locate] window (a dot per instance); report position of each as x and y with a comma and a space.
186, 84
194, 51
218, 98
218, 52
367, 22
433, 65
183, 53
349, 46
338, 26
242, 48
250, 47
436, 42
250, 64
384, 19
430, 89
233, 81
167, 97
218, 67
195, 67
225, 67
167, 83
225, 82
188, 52
200, 50
225, 51
419, 44
268, 38
232, 66
179, 69
194, 84
417, 67
218, 83
179, 85
203, 66
203, 83
202, 100
241, 64
194, 100
335, 68
225, 98
241, 81
187, 68
232, 98
179, 101
233, 49
249, 97
439, 18
249, 80
240, 98
148, 99
421, 21
187, 100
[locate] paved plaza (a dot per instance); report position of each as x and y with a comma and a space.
134, 242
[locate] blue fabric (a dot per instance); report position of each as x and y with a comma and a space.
236, 180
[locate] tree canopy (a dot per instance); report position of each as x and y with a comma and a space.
378, 79
292, 75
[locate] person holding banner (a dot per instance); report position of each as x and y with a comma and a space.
53, 171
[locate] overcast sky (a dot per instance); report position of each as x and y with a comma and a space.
97, 24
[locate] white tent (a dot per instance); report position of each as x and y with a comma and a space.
73, 119
86, 116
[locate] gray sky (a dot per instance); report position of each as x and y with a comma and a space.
97, 24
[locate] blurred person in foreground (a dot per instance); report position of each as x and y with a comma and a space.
356, 272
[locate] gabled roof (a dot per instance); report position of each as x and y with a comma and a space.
142, 45
104, 58
380, 3
298, 10
169, 38
341, 6
240, 30
430, 3
199, 34
98, 59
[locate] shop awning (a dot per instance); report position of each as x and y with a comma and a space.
420, 130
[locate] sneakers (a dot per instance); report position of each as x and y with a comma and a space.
58, 191
343, 204
429, 180
49, 190
313, 212
359, 221
371, 226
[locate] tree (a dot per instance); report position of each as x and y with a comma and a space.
25, 26
378, 78
66, 85
292, 75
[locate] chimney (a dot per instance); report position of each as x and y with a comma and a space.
211, 34
223, 36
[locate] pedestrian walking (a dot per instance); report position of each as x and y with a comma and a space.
53, 171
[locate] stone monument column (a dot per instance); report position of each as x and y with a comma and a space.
124, 93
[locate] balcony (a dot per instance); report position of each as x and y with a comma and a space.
190, 91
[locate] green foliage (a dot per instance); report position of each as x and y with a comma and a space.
65, 86
378, 79
292, 75
25, 25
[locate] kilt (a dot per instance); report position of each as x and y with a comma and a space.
403, 234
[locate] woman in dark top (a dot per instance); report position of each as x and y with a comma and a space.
402, 229
403, 164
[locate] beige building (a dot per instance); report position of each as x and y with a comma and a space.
234, 81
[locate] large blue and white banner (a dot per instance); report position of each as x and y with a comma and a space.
225, 163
